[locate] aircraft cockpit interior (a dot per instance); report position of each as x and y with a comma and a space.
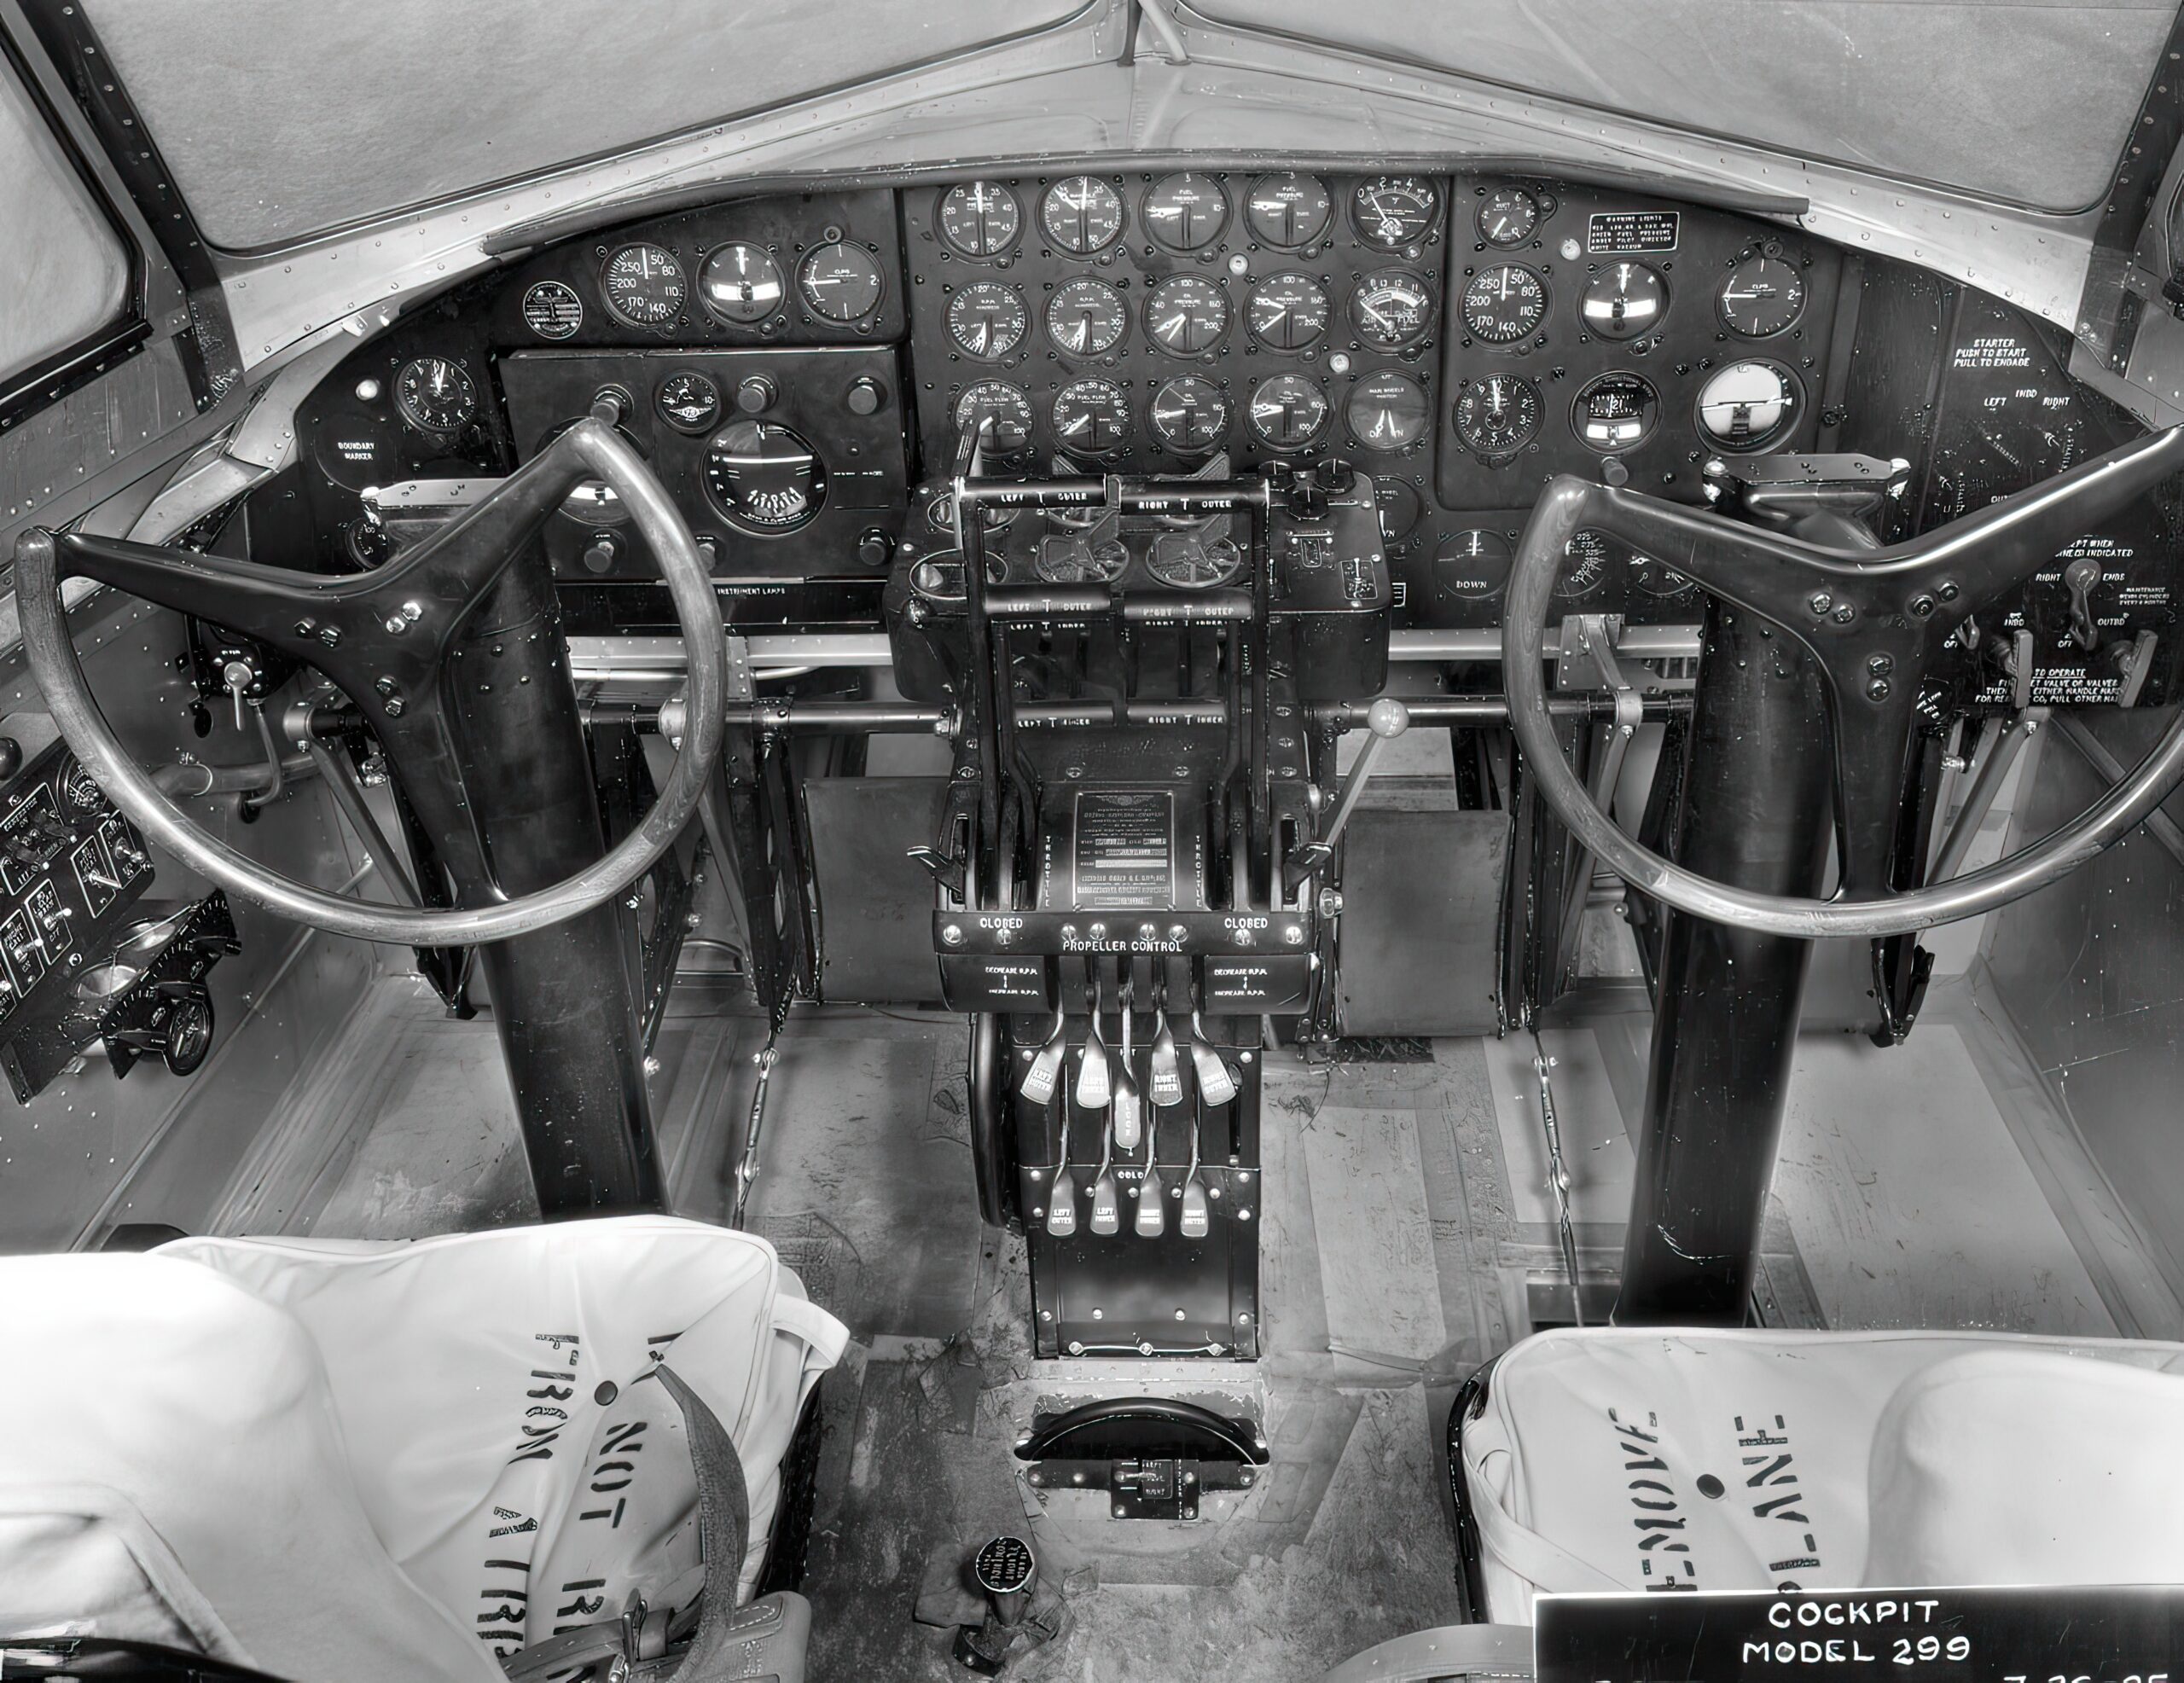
1114, 839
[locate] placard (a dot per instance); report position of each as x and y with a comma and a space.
2129, 1635
1615, 233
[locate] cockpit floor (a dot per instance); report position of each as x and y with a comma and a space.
1408, 1236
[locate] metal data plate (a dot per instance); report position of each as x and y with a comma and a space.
1862, 1636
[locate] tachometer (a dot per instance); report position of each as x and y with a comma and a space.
739, 284
988, 320
979, 218
552, 310
1761, 296
1288, 211
1087, 317
1747, 406
1081, 214
1091, 417
1504, 304
1190, 416
1387, 411
1288, 411
1389, 309
1288, 312
1186, 315
839, 281
435, 395
1497, 416
644, 285
1185, 212
1000, 411
1616, 412
764, 478
1624, 300
1394, 212
1508, 216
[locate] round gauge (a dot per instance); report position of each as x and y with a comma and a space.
1399, 505
1081, 214
644, 285
1584, 566
1497, 416
1616, 412
1761, 296
979, 218
1747, 406
764, 478
1473, 565
1650, 578
77, 784
1504, 304
939, 577
1286, 312
1288, 211
739, 284
1393, 212
1190, 416
1288, 411
1387, 411
1391, 309
1624, 300
987, 320
1001, 411
1092, 417
1185, 212
1179, 560
1186, 315
552, 310
435, 395
688, 402
1087, 317
1069, 558
1508, 216
839, 281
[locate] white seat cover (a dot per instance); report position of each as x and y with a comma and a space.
356, 1460
1634, 1459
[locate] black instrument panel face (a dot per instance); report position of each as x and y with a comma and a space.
1142, 322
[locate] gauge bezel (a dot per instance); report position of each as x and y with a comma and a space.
711, 423
1425, 410
1426, 317
1318, 234
1145, 219
864, 255
614, 306
1108, 389
1792, 411
1183, 278
1728, 278
408, 410
1507, 561
970, 253
1320, 428
1668, 298
1122, 214
760, 528
1518, 340
1079, 282
985, 284
1532, 228
723, 317
1652, 425
1433, 199
569, 293
1226, 411
1486, 453
1311, 283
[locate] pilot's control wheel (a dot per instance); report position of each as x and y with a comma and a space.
1877, 621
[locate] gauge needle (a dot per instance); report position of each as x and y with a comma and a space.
1366, 305
1171, 325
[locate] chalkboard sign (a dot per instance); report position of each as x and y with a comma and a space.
2129, 1635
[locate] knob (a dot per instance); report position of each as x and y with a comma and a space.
599, 555
864, 395
755, 394
874, 550
2082, 576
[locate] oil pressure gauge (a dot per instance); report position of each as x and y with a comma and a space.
1288, 411
1286, 312
1186, 315
1190, 416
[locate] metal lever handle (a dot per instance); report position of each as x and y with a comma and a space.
1093, 1088
1152, 1204
1061, 1208
1167, 1082
1216, 1082
1196, 1217
1045, 1070
1106, 1211
1386, 719
1130, 1115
